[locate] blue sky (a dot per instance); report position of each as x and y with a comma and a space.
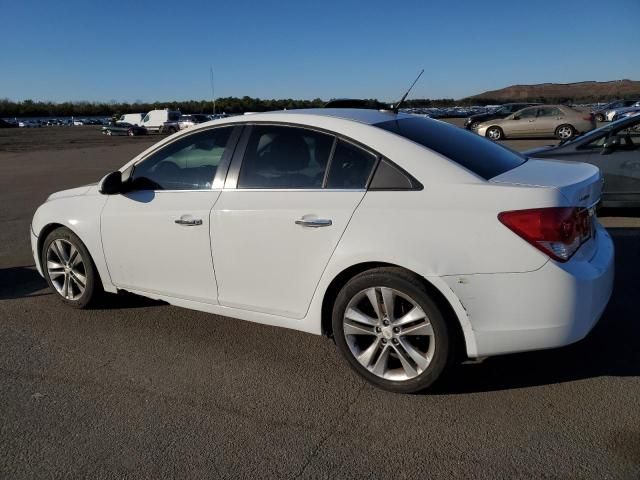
156, 50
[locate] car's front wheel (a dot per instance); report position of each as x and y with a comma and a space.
69, 269
600, 117
390, 330
495, 133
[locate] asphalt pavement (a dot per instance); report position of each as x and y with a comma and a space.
139, 389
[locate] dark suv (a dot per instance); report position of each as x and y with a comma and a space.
502, 112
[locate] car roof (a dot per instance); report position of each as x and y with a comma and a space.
361, 115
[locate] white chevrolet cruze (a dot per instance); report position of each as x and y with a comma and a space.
413, 243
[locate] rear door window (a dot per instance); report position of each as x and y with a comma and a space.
285, 157
351, 167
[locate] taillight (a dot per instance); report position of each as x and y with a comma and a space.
556, 231
589, 118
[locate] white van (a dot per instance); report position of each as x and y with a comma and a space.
132, 118
155, 119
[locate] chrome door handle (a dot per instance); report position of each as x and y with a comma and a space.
190, 222
315, 222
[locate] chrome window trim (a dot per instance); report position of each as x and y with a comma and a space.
233, 172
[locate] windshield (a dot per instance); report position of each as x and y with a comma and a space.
475, 153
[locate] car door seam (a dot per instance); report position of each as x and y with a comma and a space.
321, 276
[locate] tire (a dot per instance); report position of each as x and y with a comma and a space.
565, 132
131, 133
397, 352
599, 117
108, 132
171, 131
474, 125
494, 133
65, 271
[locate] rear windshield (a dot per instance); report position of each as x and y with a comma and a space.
480, 155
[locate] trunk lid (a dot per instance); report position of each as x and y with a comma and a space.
579, 183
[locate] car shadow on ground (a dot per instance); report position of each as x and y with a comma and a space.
23, 282
611, 349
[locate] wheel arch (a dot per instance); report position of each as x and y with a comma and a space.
103, 275
502, 134
42, 235
445, 299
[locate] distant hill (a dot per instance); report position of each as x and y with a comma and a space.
589, 91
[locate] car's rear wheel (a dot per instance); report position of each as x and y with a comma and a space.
130, 132
599, 117
565, 132
69, 269
390, 330
495, 133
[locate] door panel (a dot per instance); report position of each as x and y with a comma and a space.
264, 260
147, 250
524, 126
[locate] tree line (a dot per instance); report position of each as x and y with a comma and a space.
31, 108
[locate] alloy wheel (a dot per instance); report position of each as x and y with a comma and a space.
494, 134
66, 269
389, 333
565, 132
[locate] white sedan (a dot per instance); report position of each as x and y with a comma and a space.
411, 242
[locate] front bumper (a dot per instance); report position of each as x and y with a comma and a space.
482, 131
34, 250
553, 306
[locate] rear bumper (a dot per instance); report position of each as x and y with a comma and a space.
553, 306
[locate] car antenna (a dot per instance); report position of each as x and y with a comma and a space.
396, 107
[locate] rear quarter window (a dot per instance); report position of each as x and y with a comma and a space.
477, 154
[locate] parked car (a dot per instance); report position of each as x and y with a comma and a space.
28, 124
132, 118
615, 149
472, 122
541, 121
186, 121
615, 114
630, 113
412, 242
169, 128
123, 128
155, 119
600, 113
7, 124
356, 103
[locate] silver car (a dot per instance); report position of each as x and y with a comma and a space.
540, 121
187, 121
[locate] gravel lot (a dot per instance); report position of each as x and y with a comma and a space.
139, 389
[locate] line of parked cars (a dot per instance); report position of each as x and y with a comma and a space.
162, 121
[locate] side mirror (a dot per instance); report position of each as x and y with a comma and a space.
611, 144
111, 184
